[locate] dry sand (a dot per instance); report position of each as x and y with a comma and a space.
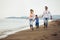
52, 33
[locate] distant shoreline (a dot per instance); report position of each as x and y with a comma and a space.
55, 17
17, 18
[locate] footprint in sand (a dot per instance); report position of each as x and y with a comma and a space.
42, 39
54, 34
59, 31
35, 39
45, 37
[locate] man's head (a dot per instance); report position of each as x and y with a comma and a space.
46, 8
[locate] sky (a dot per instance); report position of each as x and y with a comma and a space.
18, 8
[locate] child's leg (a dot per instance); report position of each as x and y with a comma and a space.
37, 25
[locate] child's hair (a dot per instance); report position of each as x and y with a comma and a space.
36, 15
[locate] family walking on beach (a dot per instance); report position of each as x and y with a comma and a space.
46, 15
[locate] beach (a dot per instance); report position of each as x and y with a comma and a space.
51, 33
11, 26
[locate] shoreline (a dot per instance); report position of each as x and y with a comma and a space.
6, 34
52, 33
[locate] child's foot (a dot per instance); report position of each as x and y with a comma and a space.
37, 29
32, 29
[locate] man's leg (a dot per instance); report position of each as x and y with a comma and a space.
46, 23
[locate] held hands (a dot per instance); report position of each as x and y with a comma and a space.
33, 20
40, 16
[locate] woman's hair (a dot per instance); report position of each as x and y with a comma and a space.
32, 10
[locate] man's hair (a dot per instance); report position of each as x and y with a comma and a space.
46, 7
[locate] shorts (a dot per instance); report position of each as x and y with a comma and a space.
37, 25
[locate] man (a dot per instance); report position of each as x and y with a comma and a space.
46, 15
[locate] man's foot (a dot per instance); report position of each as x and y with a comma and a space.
45, 27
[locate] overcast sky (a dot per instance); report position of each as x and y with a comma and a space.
21, 7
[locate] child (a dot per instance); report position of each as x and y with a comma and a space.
31, 17
37, 22
46, 15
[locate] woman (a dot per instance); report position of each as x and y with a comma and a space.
31, 18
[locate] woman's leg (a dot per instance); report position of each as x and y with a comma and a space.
31, 27
31, 24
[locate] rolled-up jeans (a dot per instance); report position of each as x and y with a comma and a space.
31, 22
46, 22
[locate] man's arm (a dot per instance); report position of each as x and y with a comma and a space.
50, 15
43, 14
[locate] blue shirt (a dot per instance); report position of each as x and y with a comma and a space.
37, 20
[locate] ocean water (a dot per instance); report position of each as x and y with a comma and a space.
11, 26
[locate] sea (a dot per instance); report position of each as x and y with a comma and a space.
13, 25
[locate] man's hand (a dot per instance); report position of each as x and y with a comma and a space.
51, 18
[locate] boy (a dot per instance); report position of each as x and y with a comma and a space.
46, 15
37, 22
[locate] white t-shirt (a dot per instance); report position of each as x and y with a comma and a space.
31, 16
46, 14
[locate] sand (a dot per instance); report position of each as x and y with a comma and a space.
51, 33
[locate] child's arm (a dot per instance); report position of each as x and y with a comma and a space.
40, 16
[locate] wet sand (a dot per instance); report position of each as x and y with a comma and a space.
51, 33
